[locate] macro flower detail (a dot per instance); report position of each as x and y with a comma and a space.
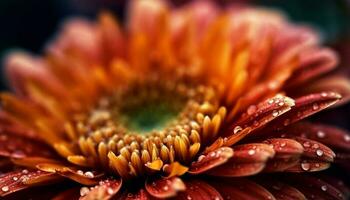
194, 102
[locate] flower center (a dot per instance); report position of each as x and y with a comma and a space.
146, 126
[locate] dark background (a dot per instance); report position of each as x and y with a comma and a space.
28, 24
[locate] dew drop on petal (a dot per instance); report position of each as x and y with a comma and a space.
319, 152
251, 109
251, 152
324, 188
320, 134
15, 178
324, 94
189, 197
305, 166
89, 174
315, 106
347, 138
5, 189
110, 191
84, 191
80, 172
201, 157
237, 129
275, 113
25, 171
306, 144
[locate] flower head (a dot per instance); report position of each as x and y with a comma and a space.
184, 103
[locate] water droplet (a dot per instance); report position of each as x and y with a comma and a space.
347, 138
237, 129
80, 172
251, 152
189, 197
25, 171
306, 144
15, 178
216, 198
283, 144
321, 134
5, 189
251, 109
166, 188
281, 103
89, 174
323, 94
270, 101
324, 188
110, 191
275, 113
319, 152
315, 146
315, 106
201, 157
305, 166
84, 191
212, 154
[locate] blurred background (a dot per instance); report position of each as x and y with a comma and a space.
28, 24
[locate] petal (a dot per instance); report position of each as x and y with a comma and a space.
106, 189
139, 195
257, 116
199, 190
287, 154
305, 165
283, 191
248, 159
22, 179
336, 83
241, 189
315, 150
304, 107
164, 188
313, 63
210, 160
16, 146
311, 186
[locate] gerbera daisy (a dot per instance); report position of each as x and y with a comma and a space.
196, 102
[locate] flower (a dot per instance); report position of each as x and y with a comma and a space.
196, 102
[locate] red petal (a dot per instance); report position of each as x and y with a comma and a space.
211, 160
315, 150
312, 186
248, 159
165, 188
15, 146
304, 107
199, 190
283, 191
105, 190
241, 189
140, 195
308, 166
313, 64
287, 154
22, 179
258, 116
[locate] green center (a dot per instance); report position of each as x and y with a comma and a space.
148, 117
